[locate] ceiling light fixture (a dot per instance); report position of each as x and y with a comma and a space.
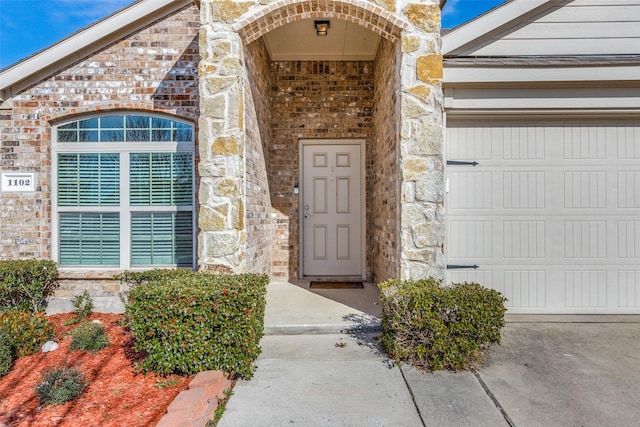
322, 27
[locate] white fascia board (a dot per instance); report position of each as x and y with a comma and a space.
454, 76
464, 100
489, 23
83, 43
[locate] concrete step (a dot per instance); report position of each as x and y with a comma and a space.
294, 309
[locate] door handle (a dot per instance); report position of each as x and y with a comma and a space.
306, 216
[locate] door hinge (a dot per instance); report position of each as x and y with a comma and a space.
459, 163
458, 267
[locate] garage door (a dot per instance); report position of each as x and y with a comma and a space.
547, 213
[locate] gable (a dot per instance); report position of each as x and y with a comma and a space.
558, 28
84, 43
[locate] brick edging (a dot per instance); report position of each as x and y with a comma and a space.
195, 406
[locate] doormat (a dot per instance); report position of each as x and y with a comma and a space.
336, 285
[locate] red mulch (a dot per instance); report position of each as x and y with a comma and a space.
116, 396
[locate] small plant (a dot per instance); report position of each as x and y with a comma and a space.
61, 385
6, 353
28, 331
170, 382
89, 336
222, 404
83, 307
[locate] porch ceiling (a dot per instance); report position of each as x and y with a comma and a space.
345, 41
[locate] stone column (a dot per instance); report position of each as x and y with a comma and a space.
422, 219
222, 234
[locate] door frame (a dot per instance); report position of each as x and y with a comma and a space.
302, 143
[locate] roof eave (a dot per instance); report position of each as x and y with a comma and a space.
29, 71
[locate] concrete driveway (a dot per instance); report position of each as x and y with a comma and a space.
567, 371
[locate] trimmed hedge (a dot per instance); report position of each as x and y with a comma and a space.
434, 327
28, 331
136, 278
26, 284
185, 322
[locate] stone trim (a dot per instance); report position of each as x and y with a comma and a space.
258, 23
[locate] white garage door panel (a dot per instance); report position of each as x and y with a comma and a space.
550, 215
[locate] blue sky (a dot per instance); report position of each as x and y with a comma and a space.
27, 26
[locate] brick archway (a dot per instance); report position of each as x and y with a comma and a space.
258, 23
117, 107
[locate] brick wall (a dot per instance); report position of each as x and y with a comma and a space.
311, 99
154, 69
386, 180
259, 226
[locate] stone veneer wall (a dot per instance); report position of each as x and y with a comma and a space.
311, 99
154, 70
228, 25
386, 179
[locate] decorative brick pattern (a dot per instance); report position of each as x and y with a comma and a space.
366, 14
154, 70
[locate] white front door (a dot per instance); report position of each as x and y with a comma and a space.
331, 208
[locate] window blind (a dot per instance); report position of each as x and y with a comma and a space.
161, 179
88, 179
162, 238
89, 238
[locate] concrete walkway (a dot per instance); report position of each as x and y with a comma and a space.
320, 366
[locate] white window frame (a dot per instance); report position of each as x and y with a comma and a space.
124, 149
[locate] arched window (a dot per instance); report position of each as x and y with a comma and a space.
124, 193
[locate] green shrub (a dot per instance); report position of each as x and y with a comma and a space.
83, 305
434, 327
28, 331
89, 336
60, 385
25, 284
189, 322
6, 353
